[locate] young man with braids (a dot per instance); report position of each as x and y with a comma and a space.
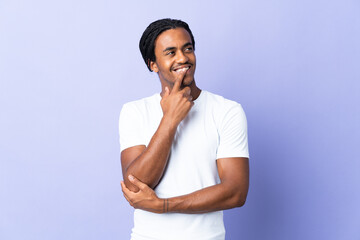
184, 152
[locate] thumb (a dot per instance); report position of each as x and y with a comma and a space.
136, 182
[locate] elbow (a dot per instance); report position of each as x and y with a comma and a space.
239, 200
152, 184
236, 197
129, 185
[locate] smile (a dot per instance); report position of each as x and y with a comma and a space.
183, 69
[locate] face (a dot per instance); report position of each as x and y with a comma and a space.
174, 52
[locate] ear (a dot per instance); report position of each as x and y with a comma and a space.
154, 67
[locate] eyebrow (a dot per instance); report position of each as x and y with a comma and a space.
172, 48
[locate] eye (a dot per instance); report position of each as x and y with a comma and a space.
170, 53
189, 49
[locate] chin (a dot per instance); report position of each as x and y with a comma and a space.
188, 81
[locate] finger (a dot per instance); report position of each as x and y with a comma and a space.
122, 184
178, 81
122, 188
137, 182
186, 92
125, 190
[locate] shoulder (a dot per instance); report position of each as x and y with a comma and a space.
144, 101
221, 105
141, 105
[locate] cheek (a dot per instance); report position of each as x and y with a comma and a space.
194, 60
165, 66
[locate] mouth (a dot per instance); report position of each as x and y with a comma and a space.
182, 69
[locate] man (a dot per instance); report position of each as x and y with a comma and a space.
184, 152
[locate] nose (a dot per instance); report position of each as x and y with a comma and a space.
181, 57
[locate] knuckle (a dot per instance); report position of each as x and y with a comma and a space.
179, 96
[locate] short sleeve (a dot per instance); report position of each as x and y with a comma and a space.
233, 139
130, 127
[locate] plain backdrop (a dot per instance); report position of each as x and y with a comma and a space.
67, 67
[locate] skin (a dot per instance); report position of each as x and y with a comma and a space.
144, 166
173, 50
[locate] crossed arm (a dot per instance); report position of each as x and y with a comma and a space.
230, 193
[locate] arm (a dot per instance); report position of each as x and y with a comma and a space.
148, 163
230, 193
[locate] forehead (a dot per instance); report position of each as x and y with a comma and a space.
172, 38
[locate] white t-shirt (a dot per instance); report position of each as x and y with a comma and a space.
214, 128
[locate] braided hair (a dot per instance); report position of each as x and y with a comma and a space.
147, 40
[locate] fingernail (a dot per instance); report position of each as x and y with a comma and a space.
131, 177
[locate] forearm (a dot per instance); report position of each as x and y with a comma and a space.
150, 164
218, 197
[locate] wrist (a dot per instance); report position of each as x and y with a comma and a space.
164, 205
169, 123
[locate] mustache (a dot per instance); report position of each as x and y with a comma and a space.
181, 66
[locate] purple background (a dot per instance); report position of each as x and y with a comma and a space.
66, 68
